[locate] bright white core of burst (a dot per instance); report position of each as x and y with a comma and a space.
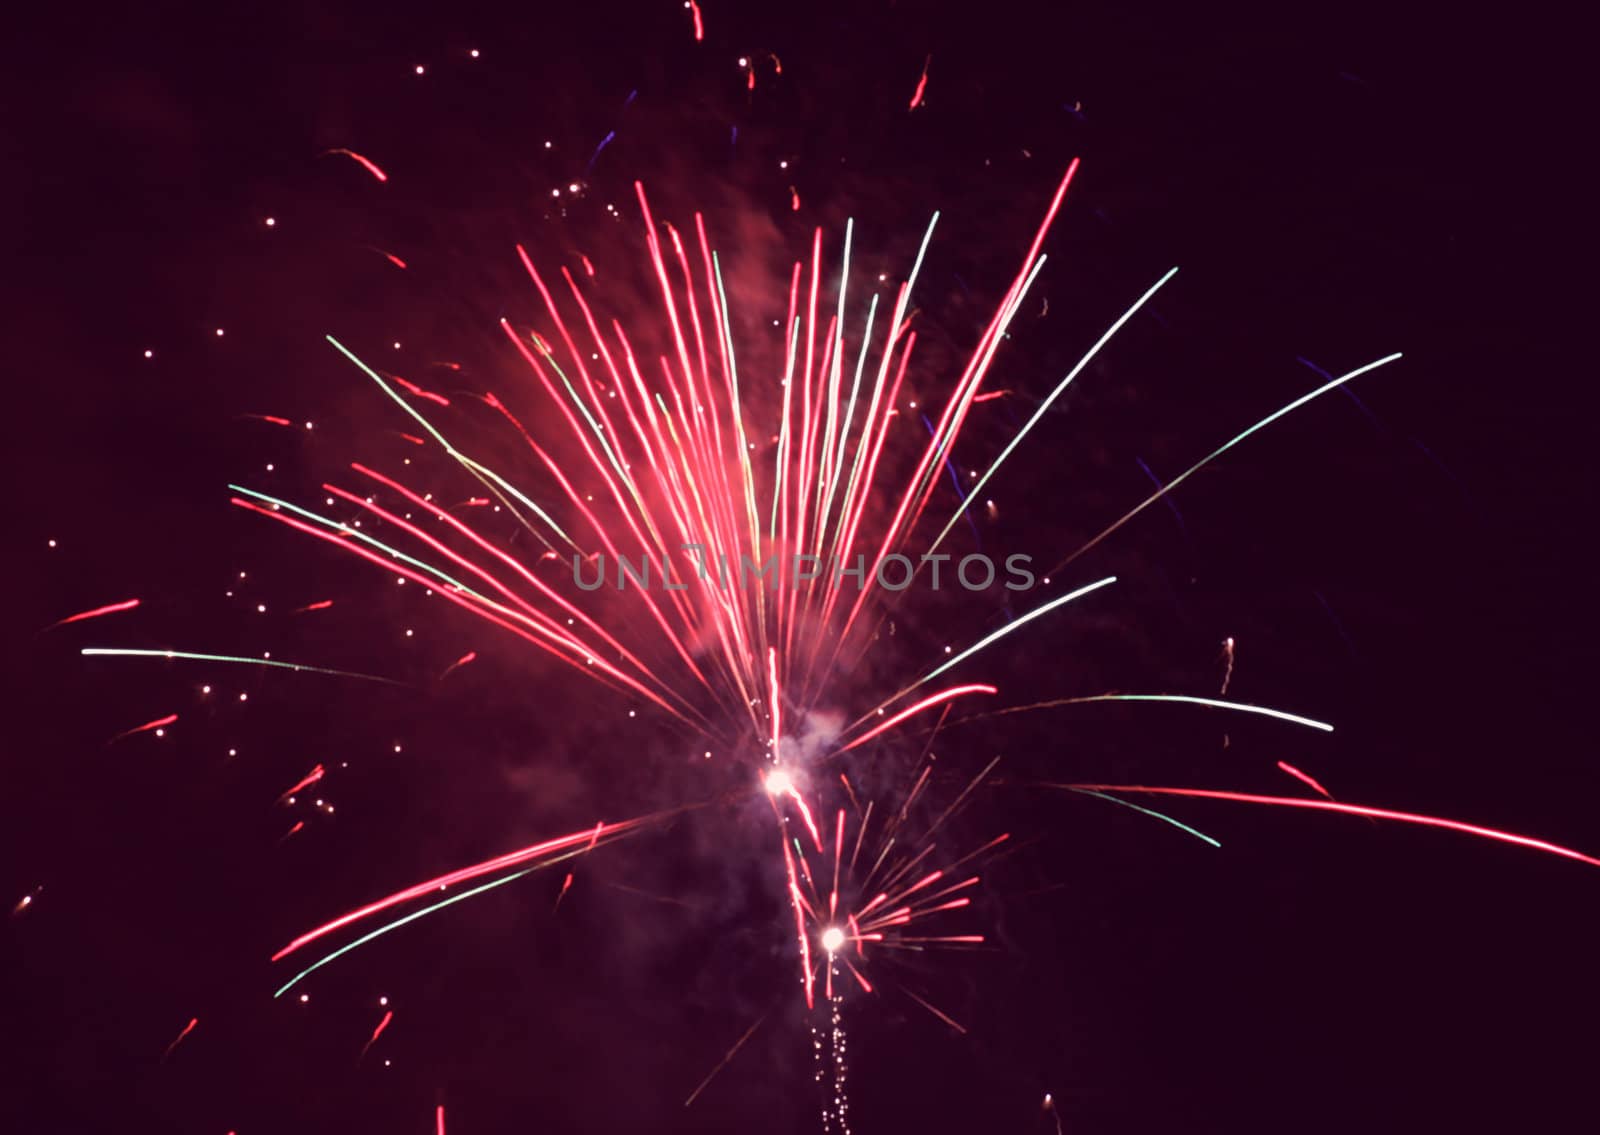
832, 939
778, 782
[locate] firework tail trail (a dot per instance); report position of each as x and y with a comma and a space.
1220, 450
158, 723
177, 1040
396, 924
926, 703
306, 781
966, 388
515, 621
1009, 628
94, 613
1305, 778
365, 163
377, 1032
1343, 809
1044, 407
469, 656
1176, 699
1180, 825
566, 884
191, 656
723, 1063
532, 854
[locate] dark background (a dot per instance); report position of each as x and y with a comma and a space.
1336, 183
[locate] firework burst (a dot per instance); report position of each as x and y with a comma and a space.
682, 478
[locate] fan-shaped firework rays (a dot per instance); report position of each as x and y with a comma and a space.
677, 472
672, 475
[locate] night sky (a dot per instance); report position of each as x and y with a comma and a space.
1404, 559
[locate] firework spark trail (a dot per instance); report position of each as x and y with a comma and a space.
417, 391
187, 1029
1181, 826
955, 482
941, 1014
723, 1063
776, 704
1044, 407
395, 925
1172, 505
469, 656
577, 500
95, 613
158, 724
1014, 625
320, 605
1050, 1106
532, 854
306, 781
366, 163
1179, 699
517, 622
1345, 809
604, 142
566, 884
1305, 778
962, 797
1220, 450
485, 475
799, 904
924, 478
1227, 649
242, 660
474, 567
922, 85
377, 1032
927, 702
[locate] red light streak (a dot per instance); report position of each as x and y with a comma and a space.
922, 85
95, 613
158, 723
1354, 810
366, 163
187, 1029
421, 393
306, 781
1298, 775
925, 703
